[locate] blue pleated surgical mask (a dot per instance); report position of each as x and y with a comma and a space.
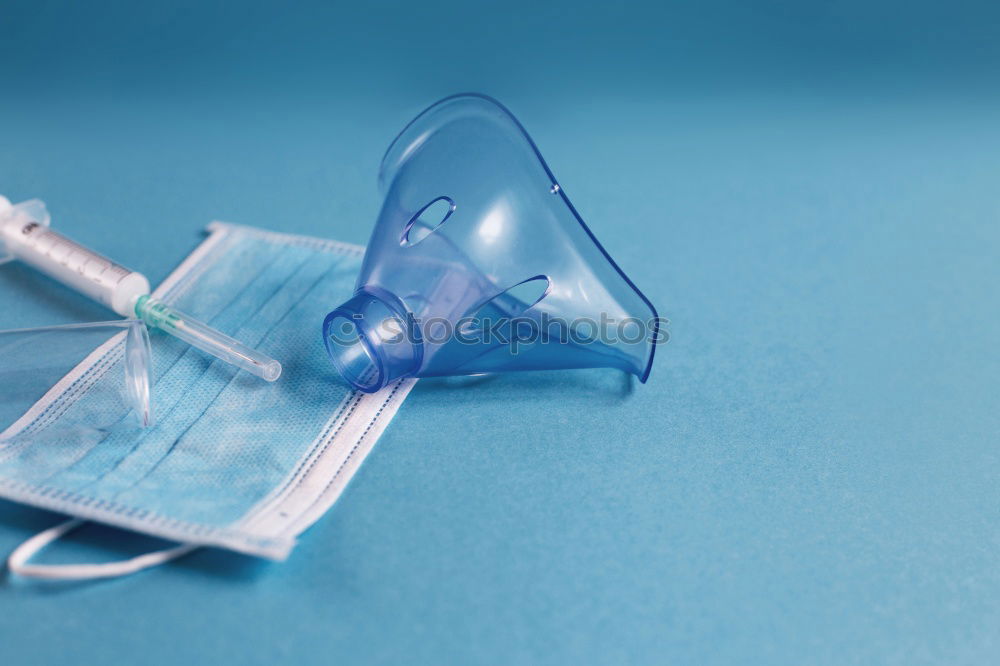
231, 461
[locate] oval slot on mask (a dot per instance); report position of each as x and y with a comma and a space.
426, 221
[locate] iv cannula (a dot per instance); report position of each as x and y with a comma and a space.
24, 235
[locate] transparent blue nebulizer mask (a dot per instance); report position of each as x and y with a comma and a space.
479, 263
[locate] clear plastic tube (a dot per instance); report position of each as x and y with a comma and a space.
39, 368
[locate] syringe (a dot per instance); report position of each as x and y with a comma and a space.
25, 235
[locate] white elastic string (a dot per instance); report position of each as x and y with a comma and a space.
17, 563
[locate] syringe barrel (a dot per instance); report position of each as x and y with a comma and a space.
72, 264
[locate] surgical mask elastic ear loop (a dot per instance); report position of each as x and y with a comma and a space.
18, 564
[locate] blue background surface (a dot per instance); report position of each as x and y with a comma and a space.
808, 191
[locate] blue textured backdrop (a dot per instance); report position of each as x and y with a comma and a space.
807, 190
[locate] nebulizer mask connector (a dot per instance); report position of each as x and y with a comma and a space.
372, 339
